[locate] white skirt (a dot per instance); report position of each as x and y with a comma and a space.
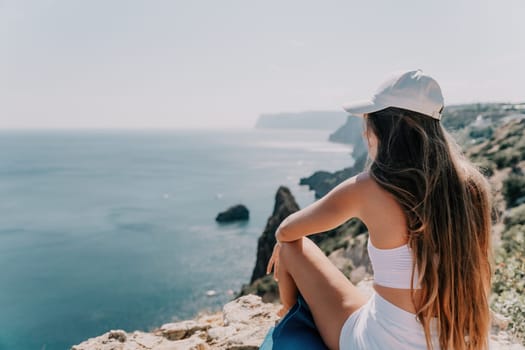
379, 325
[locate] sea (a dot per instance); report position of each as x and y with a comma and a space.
115, 229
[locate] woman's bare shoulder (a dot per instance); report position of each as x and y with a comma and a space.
370, 185
382, 214
367, 182
371, 195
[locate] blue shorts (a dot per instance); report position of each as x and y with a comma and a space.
296, 330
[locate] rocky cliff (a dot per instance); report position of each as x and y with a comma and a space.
284, 205
351, 133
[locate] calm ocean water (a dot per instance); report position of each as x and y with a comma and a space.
109, 230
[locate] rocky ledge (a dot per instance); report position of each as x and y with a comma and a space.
242, 325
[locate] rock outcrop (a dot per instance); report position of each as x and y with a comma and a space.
285, 205
242, 324
237, 212
321, 182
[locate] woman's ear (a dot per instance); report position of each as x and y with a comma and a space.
370, 139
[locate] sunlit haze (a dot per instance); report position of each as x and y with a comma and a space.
220, 64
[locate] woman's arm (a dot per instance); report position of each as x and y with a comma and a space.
339, 205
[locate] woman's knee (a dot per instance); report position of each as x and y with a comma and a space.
290, 249
302, 252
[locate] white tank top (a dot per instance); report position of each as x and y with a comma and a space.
392, 267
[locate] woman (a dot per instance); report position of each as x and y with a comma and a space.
428, 214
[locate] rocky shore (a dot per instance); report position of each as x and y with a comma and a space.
241, 325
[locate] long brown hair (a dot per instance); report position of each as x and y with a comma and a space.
448, 206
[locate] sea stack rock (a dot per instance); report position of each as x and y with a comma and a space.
285, 205
237, 212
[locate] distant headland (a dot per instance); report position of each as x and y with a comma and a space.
318, 120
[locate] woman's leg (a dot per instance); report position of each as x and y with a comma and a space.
287, 289
330, 296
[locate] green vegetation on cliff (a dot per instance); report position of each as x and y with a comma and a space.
503, 153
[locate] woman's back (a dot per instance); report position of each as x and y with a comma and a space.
447, 208
387, 228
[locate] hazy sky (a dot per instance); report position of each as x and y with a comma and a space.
188, 64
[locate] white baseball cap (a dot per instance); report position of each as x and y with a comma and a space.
407, 89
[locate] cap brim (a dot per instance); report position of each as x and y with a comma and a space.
359, 108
